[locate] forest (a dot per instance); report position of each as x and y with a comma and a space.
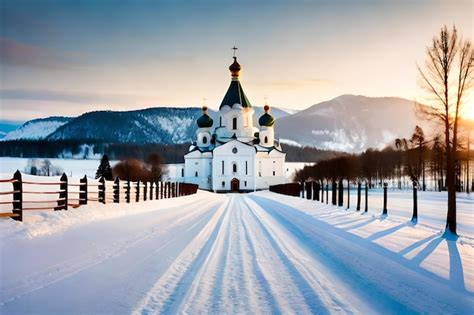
415, 160
120, 151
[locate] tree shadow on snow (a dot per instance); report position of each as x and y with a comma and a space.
386, 232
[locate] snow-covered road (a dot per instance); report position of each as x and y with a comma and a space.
256, 254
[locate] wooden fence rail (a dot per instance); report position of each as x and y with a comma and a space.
63, 189
311, 190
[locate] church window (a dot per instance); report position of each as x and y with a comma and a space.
266, 139
223, 184
234, 123
234, 150
273, 173
246, 168
196, 174
182, 172
204, 139
222, 167
245, 183
234, 168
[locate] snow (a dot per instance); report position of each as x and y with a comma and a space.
35, 130
257, 253
72, 167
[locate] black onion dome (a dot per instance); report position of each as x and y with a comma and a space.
266, 120
235, 68
205, 121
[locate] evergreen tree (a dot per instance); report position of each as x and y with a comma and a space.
104, 169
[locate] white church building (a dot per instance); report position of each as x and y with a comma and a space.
232, 154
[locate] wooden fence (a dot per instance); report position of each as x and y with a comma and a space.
65, 193
314, 190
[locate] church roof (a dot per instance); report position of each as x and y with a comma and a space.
235, 93
204, 121
266, 120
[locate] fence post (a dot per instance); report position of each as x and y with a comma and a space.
358, 195
102, 190
414, 218
161, 190
316, 191
384, 212
366, 196
137, 193
17, 196
62, 202
117, 190
348, 194
340, 201
327, 192
334, 193
168, 190
145, 191
151, 190
157, 190
83, 191
322, 191
127, 192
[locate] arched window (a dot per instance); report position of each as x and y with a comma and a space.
234, 123
182, 172
196, 174
265, 139
204, 139
234, 167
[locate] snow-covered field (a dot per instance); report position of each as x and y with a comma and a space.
81, 167
258, 253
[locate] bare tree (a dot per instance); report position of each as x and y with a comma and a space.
446, 78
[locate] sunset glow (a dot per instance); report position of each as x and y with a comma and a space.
69, 57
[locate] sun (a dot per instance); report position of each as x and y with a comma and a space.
468, 110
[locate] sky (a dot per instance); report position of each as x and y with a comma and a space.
69, 57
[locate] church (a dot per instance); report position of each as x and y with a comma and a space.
232, 154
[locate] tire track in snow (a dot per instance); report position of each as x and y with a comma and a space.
167, 294
206, 295
70, 267
293, 292
345, 257
227, 283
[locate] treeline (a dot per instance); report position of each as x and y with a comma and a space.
308, 154
90, 149
416, 160
120, 151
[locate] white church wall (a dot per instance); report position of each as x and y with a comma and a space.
225, 157
270, 170
198, 170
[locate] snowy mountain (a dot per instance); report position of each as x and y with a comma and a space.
37, 129
351, 123
165, 125
347, 123
7, 126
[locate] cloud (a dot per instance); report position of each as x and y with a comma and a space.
15, 53
65, 96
